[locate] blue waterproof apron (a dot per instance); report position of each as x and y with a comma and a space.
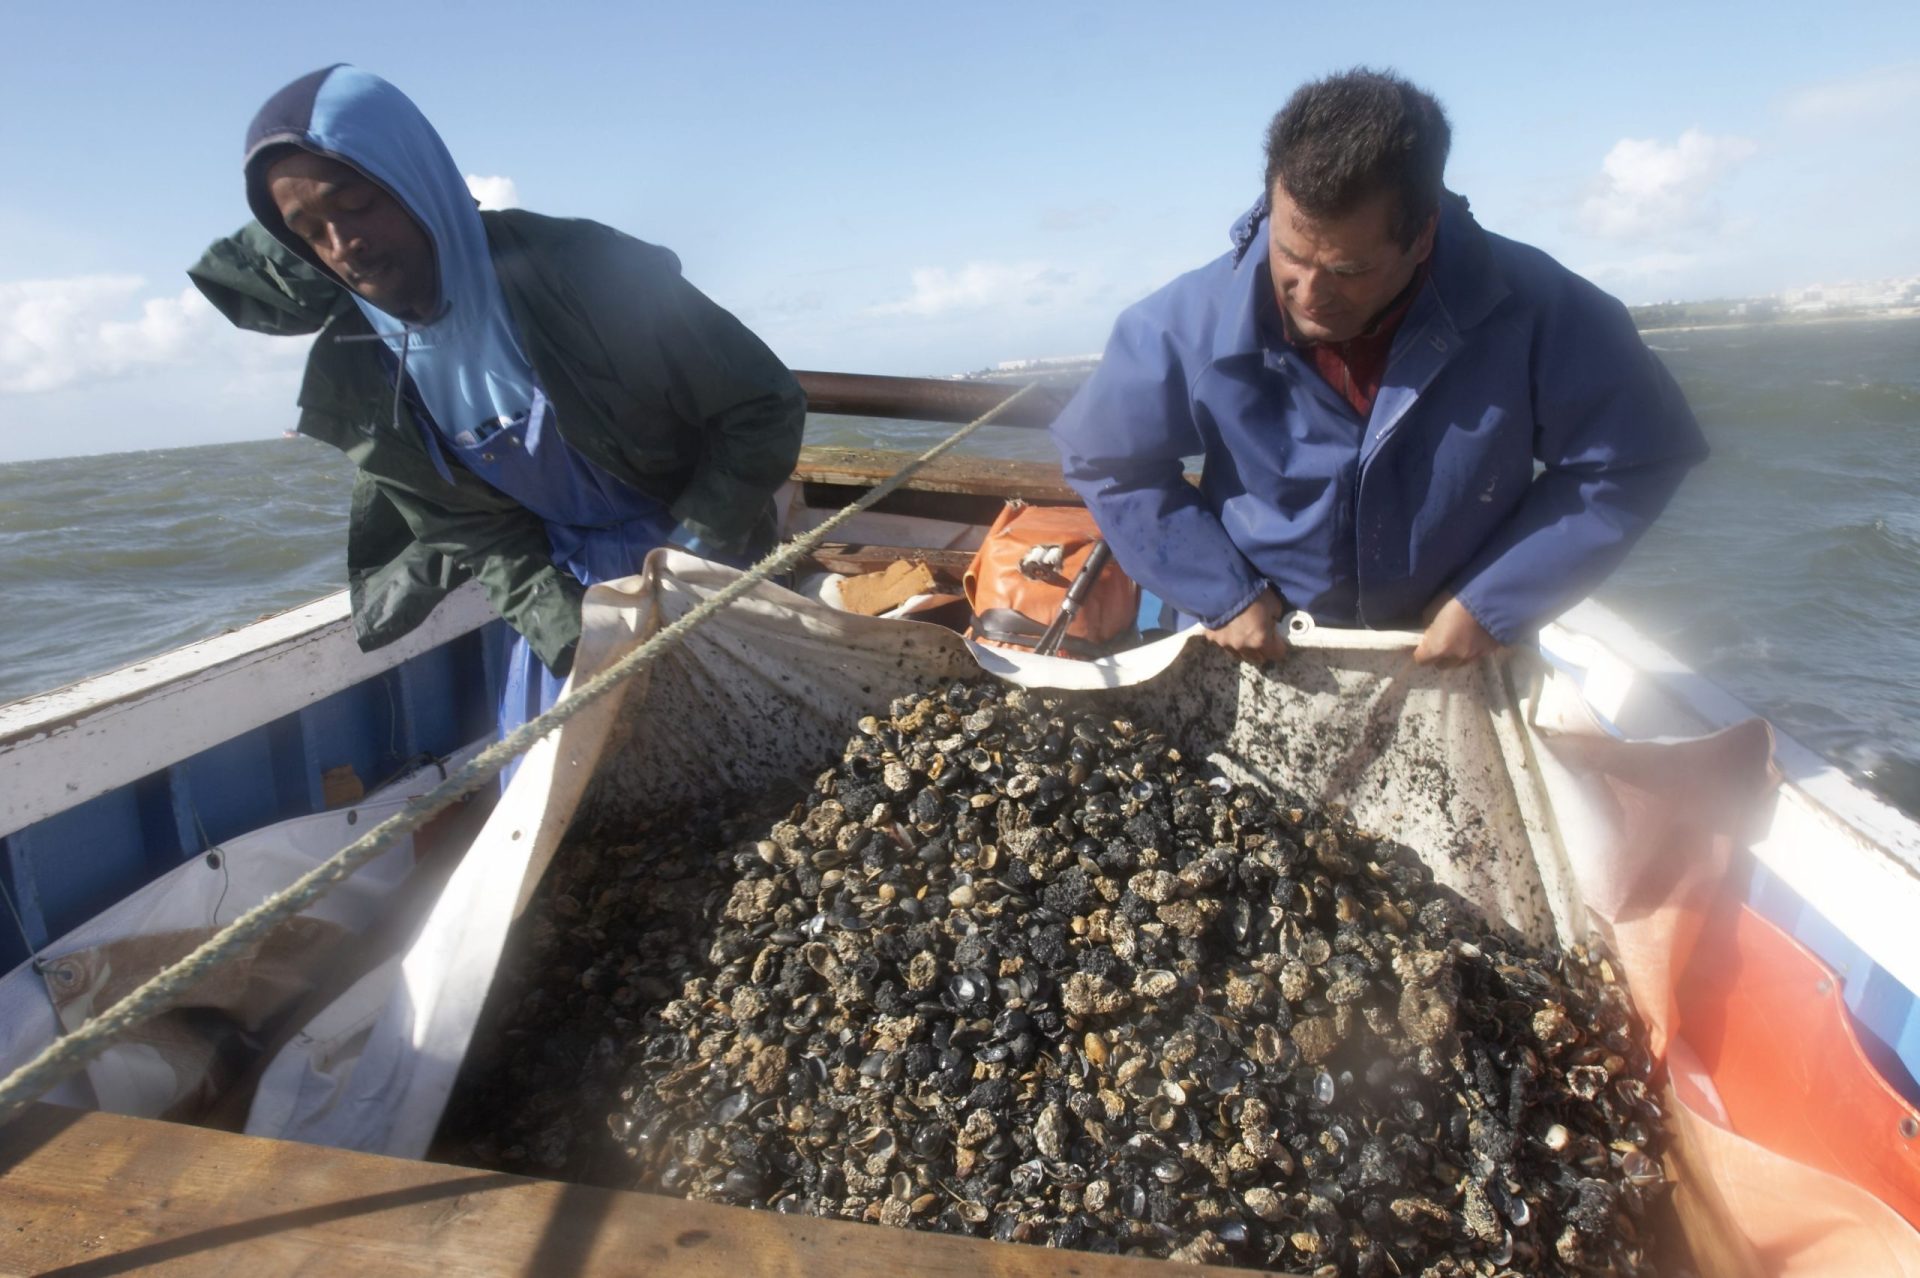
600, 528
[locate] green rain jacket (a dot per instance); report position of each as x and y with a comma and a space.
650, 381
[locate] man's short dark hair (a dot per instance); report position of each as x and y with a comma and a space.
1340, 141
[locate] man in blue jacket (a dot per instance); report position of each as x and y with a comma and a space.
1372, 379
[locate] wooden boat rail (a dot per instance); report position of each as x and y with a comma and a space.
92, 1194
927, 399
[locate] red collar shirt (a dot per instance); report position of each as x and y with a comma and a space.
1354, 367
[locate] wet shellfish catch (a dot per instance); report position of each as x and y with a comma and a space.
1016, 970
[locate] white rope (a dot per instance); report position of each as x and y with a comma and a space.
74, 1050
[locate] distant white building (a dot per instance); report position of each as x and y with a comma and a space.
1045, 362
1853, 295
1050, 370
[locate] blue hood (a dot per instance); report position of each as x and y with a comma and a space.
465, 358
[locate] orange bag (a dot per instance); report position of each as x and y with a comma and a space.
1013, 609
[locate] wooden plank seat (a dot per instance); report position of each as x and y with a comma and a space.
89, 1194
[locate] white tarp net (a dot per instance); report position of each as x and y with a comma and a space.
176, 1064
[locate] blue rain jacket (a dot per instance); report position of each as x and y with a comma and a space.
1506, 359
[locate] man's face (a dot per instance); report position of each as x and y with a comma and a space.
1332, 278
358, 232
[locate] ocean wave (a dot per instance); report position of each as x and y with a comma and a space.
1889, 402
1870, 547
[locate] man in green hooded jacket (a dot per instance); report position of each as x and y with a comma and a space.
645, 414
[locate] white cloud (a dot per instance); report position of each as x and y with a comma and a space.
979, 286
56, 332
1885, 95
1654, 190
93, 328
494, 192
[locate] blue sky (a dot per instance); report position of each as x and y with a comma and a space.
916, 188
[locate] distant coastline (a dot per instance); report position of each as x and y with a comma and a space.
1788, 321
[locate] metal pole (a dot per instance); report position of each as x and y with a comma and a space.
927, 399
1056, 632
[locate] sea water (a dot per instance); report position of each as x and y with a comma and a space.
1787, 570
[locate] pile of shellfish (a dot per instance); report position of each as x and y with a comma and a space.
1022, 971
